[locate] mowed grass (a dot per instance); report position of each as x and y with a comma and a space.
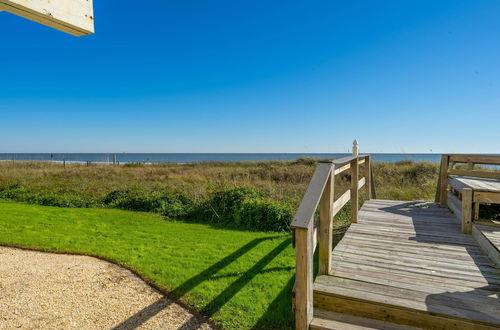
238, 279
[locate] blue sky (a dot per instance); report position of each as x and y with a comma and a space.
256, 76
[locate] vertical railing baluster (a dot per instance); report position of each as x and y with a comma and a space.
354, 183
467, 194
325, 226
443, 180
368, 177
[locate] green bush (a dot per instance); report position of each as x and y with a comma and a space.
265, 215
50, 198
222, 205
244, 208
60, 200
172, 205
133, 165
114, 196
240, 207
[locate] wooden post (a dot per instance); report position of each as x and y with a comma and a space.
467, 210
114, 159
368, 177
303, 278
374, 190
476, 210
443, 180
325, 226
355, 148
354, 183
64, 163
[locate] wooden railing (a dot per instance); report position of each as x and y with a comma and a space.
309, 233
462, 200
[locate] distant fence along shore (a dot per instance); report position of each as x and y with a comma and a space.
202, 157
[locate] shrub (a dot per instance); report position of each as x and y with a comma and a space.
265, 215
172, 205
20, 193
114, 196
132, 165
404, 162
61, 200
244, 208
305, 161
222, 205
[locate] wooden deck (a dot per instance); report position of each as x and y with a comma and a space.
488, 238
492, 234
477, 184
408, 263
400, 265
482, 190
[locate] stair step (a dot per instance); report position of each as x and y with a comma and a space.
327, 320
447, 310
488, 238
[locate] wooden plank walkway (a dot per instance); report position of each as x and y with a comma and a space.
477, 184
409, 263
492, 234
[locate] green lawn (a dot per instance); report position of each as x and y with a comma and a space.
239, 279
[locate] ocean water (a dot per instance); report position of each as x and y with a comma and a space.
203, 157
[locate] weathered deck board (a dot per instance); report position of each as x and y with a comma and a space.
411, 257
492, 233
477, 184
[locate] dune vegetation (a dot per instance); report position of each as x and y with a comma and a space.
248, 195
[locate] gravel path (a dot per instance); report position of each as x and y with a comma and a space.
55, 291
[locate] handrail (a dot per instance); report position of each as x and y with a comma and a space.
320, 193
475, 159
305, 213
476, 173
347, 159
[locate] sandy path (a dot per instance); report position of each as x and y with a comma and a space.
54, 291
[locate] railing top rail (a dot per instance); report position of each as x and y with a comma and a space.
477, 159
344, 160
304, 218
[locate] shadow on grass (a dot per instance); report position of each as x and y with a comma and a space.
223, 297
281, 305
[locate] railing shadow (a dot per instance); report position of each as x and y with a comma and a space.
479, 303
222, 298
145, 314
282, 304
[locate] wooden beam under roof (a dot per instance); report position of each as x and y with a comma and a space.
75, 17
